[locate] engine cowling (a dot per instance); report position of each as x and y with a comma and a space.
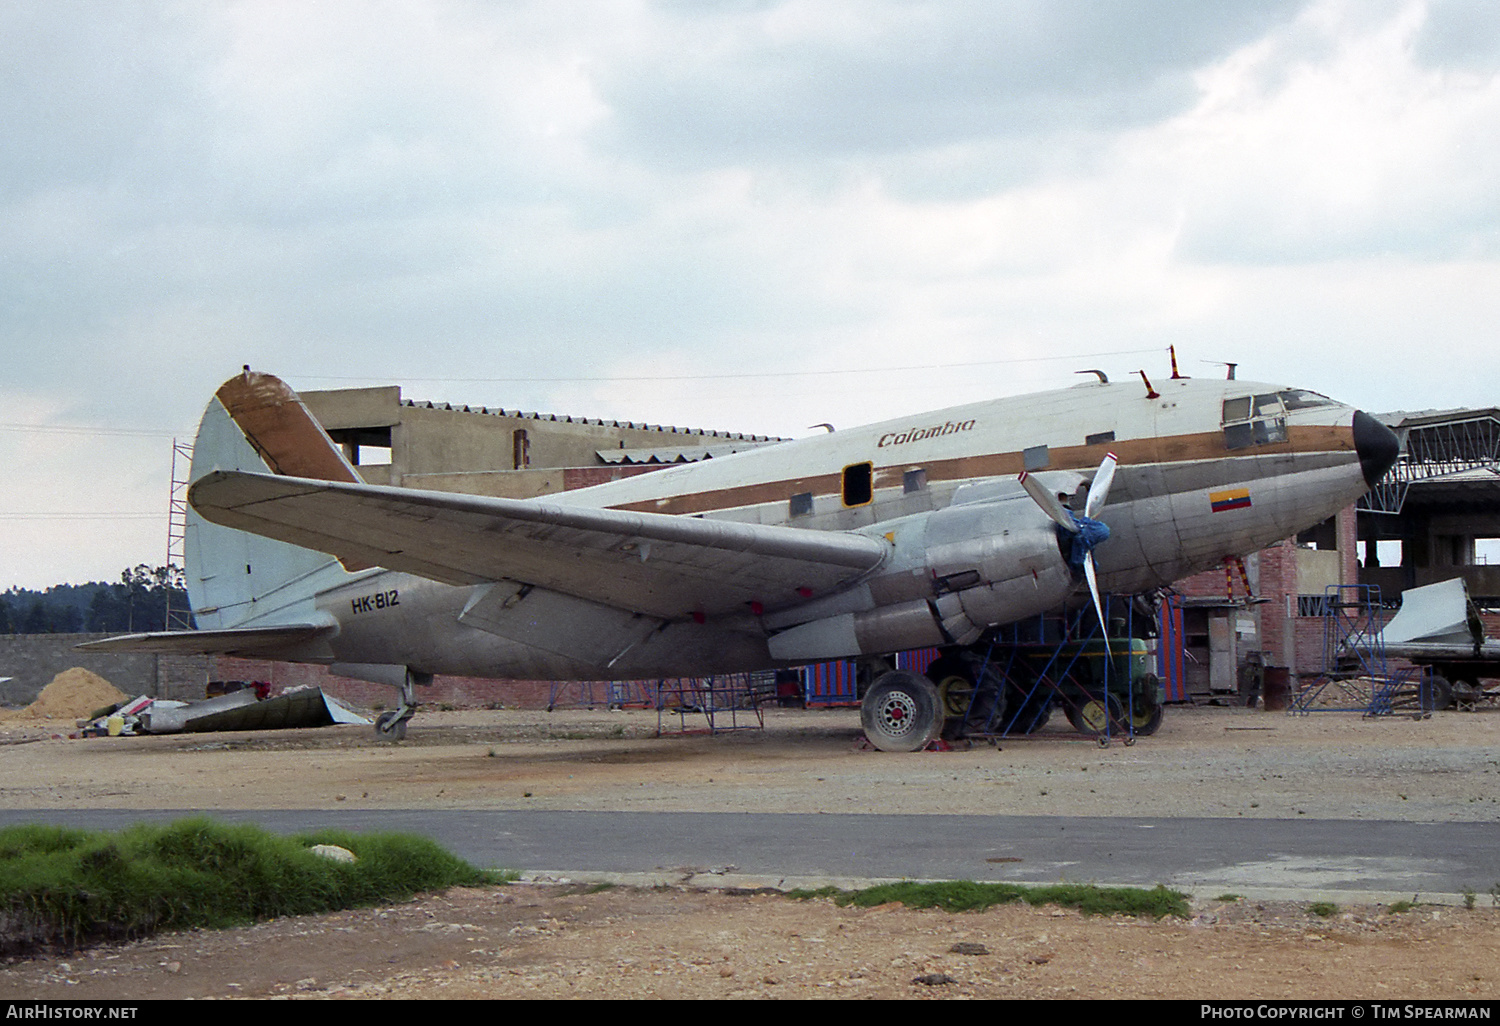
954, 573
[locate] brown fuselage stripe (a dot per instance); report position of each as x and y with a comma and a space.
1204, 445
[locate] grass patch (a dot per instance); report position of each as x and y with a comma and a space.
1323, 908
65, 888
967, 896
1402, 906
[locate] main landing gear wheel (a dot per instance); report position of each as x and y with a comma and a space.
901, 712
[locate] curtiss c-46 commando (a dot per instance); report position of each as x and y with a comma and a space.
928, 531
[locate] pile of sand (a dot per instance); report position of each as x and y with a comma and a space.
72, 695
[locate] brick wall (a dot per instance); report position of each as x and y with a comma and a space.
459, 692
34, 659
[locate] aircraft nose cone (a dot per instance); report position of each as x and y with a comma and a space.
1376, 445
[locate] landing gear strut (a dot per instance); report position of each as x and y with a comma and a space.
391, 725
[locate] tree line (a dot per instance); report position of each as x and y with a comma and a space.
137, 602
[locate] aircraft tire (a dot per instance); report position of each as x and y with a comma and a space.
901, 712
390, 727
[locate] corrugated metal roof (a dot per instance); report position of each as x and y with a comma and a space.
677, 454
1413, 418
596, 421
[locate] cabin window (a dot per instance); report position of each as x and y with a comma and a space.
1254, 420
1102, 438
1035, 458
800, 505
859, 489
914, 481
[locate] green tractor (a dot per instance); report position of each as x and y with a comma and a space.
1016, 691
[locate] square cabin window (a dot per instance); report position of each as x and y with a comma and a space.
859, 487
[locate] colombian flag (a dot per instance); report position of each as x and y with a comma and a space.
1234, 498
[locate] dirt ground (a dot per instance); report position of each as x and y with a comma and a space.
559, 941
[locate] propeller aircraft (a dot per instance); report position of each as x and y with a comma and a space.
931, 530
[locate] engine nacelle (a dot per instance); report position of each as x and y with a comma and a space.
954, 573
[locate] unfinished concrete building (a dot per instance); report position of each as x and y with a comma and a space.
499, 452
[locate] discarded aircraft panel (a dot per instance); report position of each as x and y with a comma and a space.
1438, 629
239, 710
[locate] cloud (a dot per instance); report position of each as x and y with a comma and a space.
397, 192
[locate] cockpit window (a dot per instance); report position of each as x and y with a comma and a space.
1254, 420
1301, 399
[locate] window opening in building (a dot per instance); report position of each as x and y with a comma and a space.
364, 447
520, 449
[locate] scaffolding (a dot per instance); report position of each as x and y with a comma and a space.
1356, 675
178, 617
592, 694
1045, 663
729, 702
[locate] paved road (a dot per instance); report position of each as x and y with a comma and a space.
1343, 859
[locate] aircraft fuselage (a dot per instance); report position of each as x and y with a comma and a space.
1207, 469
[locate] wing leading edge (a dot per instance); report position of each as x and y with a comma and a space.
651, 563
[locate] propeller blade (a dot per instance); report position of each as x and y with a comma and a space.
1093, 579
1099, 490
1049, 502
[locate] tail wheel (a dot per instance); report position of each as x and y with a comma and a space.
901, 712
391, 726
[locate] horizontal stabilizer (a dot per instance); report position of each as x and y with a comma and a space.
248, 641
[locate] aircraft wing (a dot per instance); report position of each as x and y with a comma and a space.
234, 641
651, 563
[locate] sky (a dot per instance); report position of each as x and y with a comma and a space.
750, 215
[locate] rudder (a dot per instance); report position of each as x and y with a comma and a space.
234, 579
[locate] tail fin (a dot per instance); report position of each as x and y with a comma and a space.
276, 423
234, 579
